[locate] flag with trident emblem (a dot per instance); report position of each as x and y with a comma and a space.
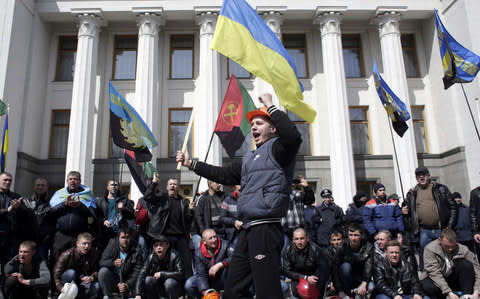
232, 126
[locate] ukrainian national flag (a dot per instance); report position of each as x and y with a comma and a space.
244, 37
129, 131
3, 153
396, 109
460, 65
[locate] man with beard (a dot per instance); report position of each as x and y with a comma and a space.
162, 274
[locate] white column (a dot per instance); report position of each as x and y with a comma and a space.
147, 78
208, 92
80, 141
341, 153
274, 20
395, 76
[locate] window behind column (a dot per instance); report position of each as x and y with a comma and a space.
418, 118
125, 57
352, 56
181, 56
361, 143
296, 46
409, 55
67, 53
304, 129
59, 133
178, 119
234, 68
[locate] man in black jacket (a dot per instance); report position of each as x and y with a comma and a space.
162, 274
211, 262
170, 215
475, 217
328, 217
266, 177
208, 210
304, 259
120, 264
430, 207
353, 262
27, 274
394, 276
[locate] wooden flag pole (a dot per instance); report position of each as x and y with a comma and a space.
195, 104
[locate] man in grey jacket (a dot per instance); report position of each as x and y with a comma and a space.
27, 275
449, 268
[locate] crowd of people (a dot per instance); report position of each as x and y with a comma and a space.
265, 239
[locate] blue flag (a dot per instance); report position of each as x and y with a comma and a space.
460, 65
129, 131
396, 109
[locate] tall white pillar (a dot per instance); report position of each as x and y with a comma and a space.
80, 141
341, 153
274, 20
147, 77
208, 92
395, 76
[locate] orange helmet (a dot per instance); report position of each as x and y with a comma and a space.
307, 290
211, 294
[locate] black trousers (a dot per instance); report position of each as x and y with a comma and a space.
461, 279
256, 258
14, 289
181, 244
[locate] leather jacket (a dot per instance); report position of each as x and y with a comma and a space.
71, 259
298, 263
475, 210
393, 281
170, 267
446, 206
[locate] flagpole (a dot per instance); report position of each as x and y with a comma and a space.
396, 156
471, 113
199, 177
195, 104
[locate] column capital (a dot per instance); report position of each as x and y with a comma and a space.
274, 20
149, 21
89, 24
388, 22
329, 22
207, 20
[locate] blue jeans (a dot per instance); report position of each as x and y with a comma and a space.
351, 278
426, 236
191, 285
383, 296
170, 288
84, 290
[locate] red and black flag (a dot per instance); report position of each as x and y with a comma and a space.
232, 126
141, 171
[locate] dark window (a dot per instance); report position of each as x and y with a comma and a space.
181, 56
67, 53
125, 57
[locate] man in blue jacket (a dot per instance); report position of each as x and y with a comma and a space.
381, 213
211, 262
266, 177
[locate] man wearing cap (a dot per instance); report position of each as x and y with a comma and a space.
381, 213
431, 208
328, 217
265, 175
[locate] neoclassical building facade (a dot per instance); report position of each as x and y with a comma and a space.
57, 58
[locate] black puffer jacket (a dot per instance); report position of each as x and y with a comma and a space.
389, 279
475, 210
446, 206
362, 260
131, 266
169, 267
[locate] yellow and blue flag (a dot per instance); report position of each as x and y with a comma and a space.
244, 37
396, 109
129, 131
460, 65
3, 153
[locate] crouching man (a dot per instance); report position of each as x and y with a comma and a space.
27, 275
211, 261
79, 265
120, 264
450, 267
394, 277
162, 274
